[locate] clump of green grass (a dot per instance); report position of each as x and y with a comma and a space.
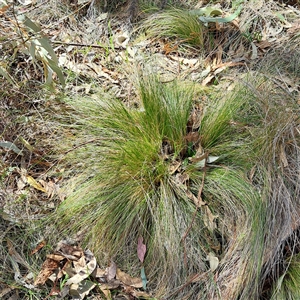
129, 188
176, 24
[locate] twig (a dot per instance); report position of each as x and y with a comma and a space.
196, 210
17, 23
81, 145
78, 44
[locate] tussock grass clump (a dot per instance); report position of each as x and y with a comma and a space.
176, 24
143, 174
144, 179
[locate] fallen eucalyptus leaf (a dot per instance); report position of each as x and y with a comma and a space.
48, 268
220, 19
79, 291
212, 159
31, 181
141, 249
11, 146
144, 278
26, 144
209, 219
135, 282
111, 271
213, 261
83, 272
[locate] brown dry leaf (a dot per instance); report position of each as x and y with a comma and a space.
99, 71
128, 290
38, 247
194, 120
112, 285
207, 80
32, 182
235, 23
111, 271
168, 48
48, 267
100, 273
174, 166
182, 178
216, 69
79, 264
282, 156
106, 292
142, 295
219, 70
83, 270
135, 282
263, 44
209, 219
56, 257
197, 202
50, 187
192, 137
55, 291
67, 269
5, 291
222, 66
198, 158
219, 55
71, 252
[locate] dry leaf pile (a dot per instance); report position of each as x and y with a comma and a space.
71, 271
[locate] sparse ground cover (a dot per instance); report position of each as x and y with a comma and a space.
149, 150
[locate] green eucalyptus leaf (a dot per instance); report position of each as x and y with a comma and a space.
32, 50
5, 74
53, 65
47, 46
36, 28
144, 278
11, 146
221, 20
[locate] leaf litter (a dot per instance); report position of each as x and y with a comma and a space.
72, 271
